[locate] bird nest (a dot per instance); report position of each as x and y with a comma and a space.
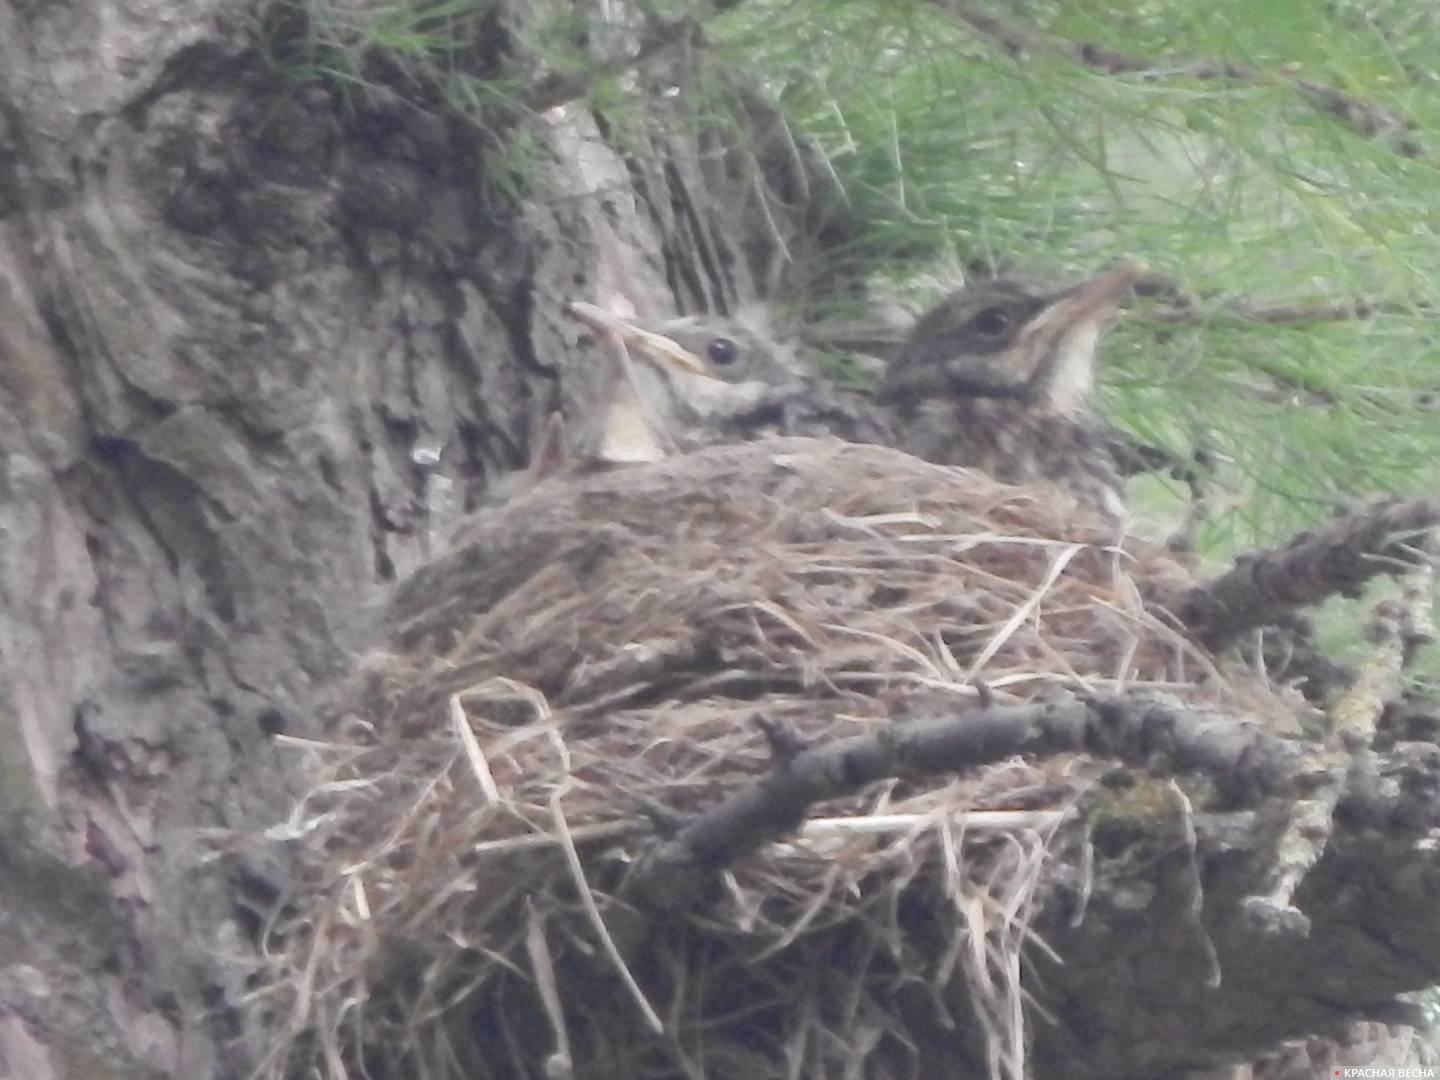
584, 669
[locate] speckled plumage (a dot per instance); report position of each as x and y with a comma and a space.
999, 377
1009, 441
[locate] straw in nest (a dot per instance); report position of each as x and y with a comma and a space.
584, 667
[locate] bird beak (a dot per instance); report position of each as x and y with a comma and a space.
657, 348
1094, 300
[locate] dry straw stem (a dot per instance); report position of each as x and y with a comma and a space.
582, 672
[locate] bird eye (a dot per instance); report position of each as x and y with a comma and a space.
991, 322
722, 351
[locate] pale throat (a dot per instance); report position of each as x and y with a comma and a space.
629, 435
1066, 379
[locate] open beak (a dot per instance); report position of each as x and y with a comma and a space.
657, 348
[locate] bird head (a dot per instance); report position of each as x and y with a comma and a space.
1010, 338
691, 376
724, 350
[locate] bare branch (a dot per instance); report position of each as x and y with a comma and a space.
1298, 311
1243, 758
1262, 589
1178, 304
1363, 117
1183, 307
1354, 717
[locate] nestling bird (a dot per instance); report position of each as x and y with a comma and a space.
999, 377
704, 380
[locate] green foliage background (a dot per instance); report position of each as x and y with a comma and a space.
1242, 189
953, 151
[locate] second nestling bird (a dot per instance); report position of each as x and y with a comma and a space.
1000, 376
700, 381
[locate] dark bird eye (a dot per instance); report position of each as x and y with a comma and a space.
722, 351
991, 322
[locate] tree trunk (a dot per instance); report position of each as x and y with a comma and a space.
262, 343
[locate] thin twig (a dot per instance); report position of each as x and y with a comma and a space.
1359, 307
1363, 117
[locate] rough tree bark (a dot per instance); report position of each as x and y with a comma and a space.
259, 346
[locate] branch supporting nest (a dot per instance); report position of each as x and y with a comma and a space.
1395, 629
1265, 588
1242, 757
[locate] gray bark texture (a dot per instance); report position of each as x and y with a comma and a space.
261, 347
233, 318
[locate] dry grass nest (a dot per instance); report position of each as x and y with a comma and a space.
587, 660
